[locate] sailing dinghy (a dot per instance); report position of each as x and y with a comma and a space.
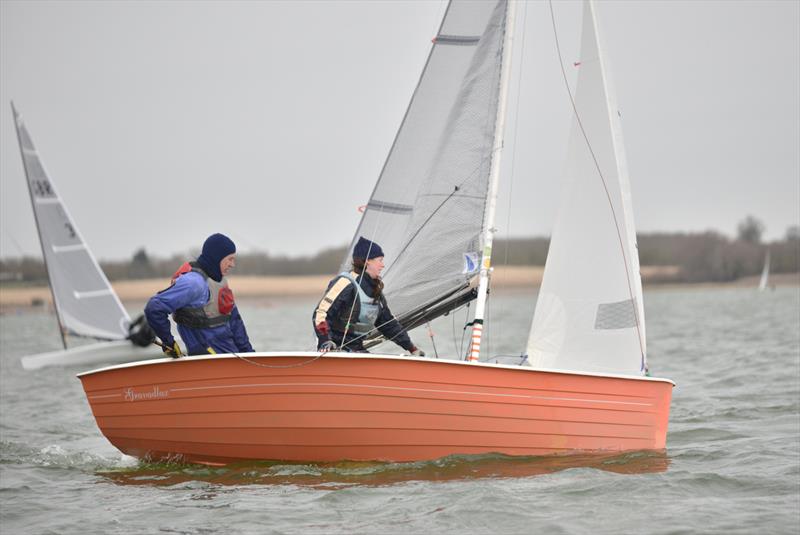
85, 303
584, 385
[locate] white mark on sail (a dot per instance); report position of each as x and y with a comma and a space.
94, 293
68, 248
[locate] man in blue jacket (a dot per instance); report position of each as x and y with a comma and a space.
202, 304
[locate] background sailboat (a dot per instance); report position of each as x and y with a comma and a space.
764, 281
85, 303
432, 211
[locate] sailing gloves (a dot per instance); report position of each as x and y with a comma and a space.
327, 346
172, 349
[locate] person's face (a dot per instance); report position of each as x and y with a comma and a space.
227, 264
374, 267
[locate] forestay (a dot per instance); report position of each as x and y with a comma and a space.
84, 300
590, 316
427, 208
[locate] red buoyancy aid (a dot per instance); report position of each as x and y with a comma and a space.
216, 312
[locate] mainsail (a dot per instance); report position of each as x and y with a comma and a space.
427, 208
84, 300
589, 315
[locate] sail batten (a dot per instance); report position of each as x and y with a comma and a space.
461, 40
68, 248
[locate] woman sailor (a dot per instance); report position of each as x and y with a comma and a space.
354, 306
202, 305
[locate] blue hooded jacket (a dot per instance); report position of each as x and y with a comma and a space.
191, 290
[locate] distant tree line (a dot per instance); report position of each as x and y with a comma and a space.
701, 257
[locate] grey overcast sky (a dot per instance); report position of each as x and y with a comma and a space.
162, 122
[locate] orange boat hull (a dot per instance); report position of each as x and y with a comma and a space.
303, 407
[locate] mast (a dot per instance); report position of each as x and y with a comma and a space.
491, 201
17, 120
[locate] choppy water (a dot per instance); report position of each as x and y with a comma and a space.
732, 463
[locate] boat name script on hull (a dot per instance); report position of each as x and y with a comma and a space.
156, 393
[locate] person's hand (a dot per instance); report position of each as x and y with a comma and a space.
172, 349
417, 352
327, 346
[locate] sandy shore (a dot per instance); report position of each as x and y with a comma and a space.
246, 287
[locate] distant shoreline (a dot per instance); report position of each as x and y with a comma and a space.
255, 287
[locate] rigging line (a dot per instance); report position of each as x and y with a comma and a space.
455, 345
298, 365
456, 188
16, 244
356, 290
376, 328
602, 179
516, 129
463, 333
364, 269
430, 333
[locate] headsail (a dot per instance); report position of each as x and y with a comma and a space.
590, 315
85, 302
427, 208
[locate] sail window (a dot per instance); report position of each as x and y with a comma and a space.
620, 315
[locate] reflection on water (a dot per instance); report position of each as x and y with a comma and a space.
370, 474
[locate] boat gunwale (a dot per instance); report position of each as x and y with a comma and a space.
315, 355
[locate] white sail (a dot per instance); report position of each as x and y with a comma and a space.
589, 315
84, 300
427, 208
762, 284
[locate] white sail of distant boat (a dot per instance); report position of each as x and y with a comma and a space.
764, 282
85, 303
590, 313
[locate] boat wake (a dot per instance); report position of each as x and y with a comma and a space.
57, 456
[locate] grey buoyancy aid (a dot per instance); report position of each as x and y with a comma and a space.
369, 308
216, 312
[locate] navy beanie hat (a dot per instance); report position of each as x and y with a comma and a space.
367, 249
215, 248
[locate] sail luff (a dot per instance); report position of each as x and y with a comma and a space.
494, 180
17, 126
